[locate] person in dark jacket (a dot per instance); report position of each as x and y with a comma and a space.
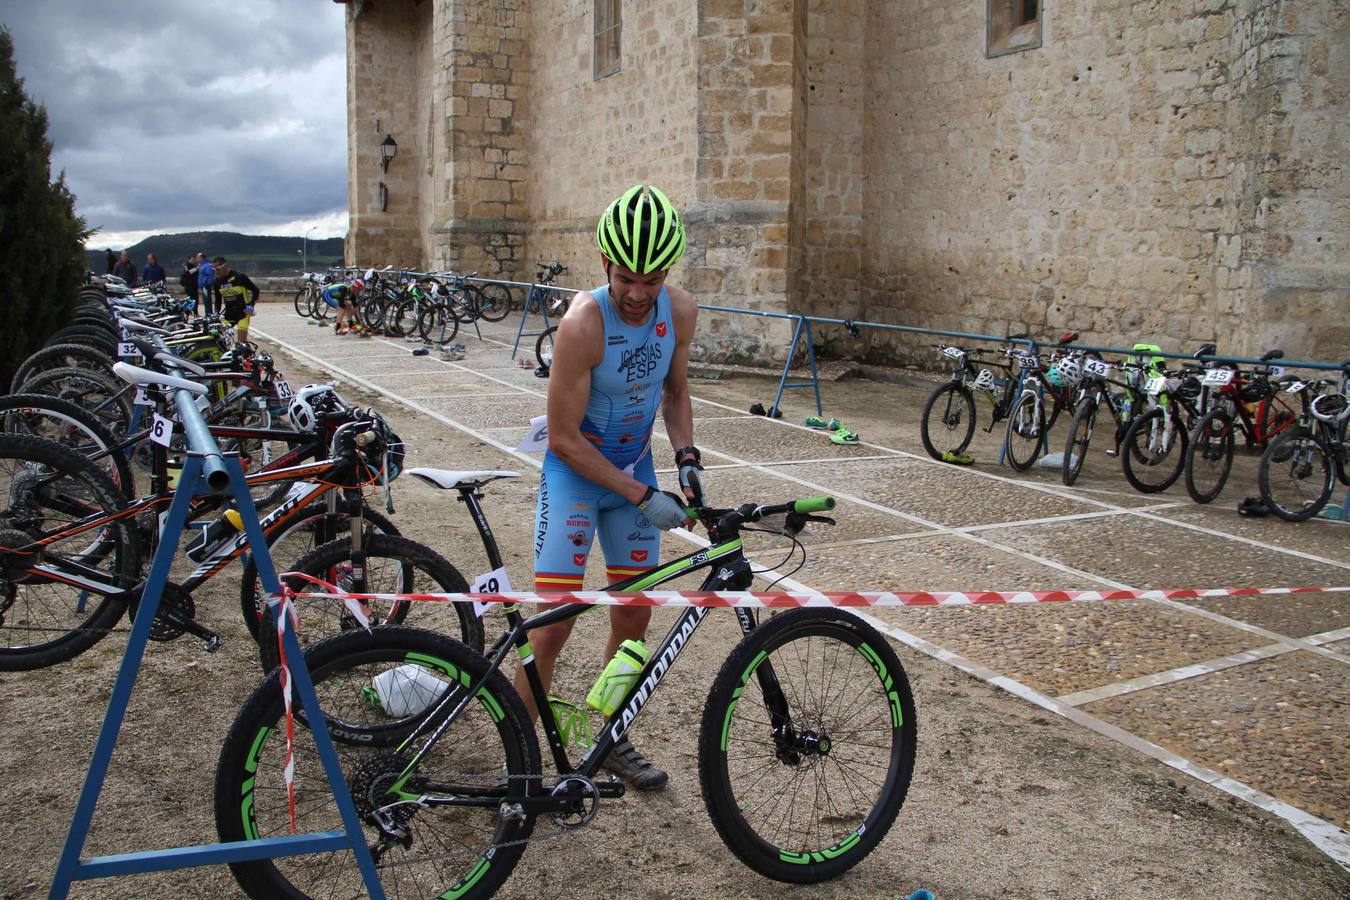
126, 269
238, 295
189, 281
153, 271
112, 260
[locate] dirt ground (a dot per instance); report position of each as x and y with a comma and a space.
1007, 800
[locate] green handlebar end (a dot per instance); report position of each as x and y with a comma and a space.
813, 504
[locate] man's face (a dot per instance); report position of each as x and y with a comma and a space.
633, 294
151, 259
126, 257
222, 268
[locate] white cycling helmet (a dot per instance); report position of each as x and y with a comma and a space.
302, 407
1066, 372
1331, 408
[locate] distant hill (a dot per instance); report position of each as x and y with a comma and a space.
254, 254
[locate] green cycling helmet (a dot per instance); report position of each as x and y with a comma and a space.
641, 231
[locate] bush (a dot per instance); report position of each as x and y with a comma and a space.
41, 238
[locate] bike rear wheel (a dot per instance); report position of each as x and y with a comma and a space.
1026, 432
1296, 475
70, 426
948, 421
450, 851
438, 324
493, 301
394, 565
1154, 451
811, 711
45, 487
1209, 458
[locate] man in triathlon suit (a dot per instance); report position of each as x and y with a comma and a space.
238, 296
342, 297
621, 351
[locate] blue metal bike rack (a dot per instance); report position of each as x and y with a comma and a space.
201, 476
545, 295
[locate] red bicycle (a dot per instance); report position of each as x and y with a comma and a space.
1251, 403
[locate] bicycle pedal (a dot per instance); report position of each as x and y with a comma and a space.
611, 789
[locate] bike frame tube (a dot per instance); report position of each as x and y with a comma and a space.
727, 555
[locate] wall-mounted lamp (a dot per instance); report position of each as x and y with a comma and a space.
388, 150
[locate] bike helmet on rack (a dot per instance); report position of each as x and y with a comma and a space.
641, 231
1066, 372
1331, 408
308, 402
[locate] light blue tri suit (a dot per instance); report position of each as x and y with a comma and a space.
626, 391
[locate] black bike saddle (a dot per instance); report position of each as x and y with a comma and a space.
1272, 354
1206, 350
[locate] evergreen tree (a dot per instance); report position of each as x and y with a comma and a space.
41, 238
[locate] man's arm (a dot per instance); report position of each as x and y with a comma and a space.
676, 407
578, 347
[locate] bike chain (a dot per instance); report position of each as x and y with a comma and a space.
555, 832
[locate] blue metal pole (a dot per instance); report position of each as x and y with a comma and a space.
815, 375
68, 865
787, 365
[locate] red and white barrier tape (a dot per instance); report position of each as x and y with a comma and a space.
748, 599
286, 612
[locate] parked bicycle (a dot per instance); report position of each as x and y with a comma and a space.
806, 746
1298, 466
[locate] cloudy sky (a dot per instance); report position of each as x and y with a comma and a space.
170, 115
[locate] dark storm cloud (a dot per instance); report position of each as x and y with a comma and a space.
171, 114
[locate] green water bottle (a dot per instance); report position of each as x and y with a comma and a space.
618, 676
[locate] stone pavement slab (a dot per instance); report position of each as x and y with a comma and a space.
1145, 554
944, 495
1295, 615
1318, 537
1059, 648
1278, 725
489, 412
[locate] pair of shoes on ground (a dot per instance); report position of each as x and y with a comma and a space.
757, 409
957, 459
634, 768
1253, 507
841, 433
454, 352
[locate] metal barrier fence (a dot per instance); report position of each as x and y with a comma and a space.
804, 328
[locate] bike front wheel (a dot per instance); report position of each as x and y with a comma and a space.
543, 348
1209, 458
1154, 451
1080, 436
807, 745
1026, 432
374, 689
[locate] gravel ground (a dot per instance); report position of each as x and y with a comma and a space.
1006, 801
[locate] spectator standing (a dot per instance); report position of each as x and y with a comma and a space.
112, 260
206, 284
126, 269
153, 271
238, 295
189, 281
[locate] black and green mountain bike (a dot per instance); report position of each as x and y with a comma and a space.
806, 747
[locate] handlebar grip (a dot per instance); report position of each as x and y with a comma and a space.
364, 438
813, 504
